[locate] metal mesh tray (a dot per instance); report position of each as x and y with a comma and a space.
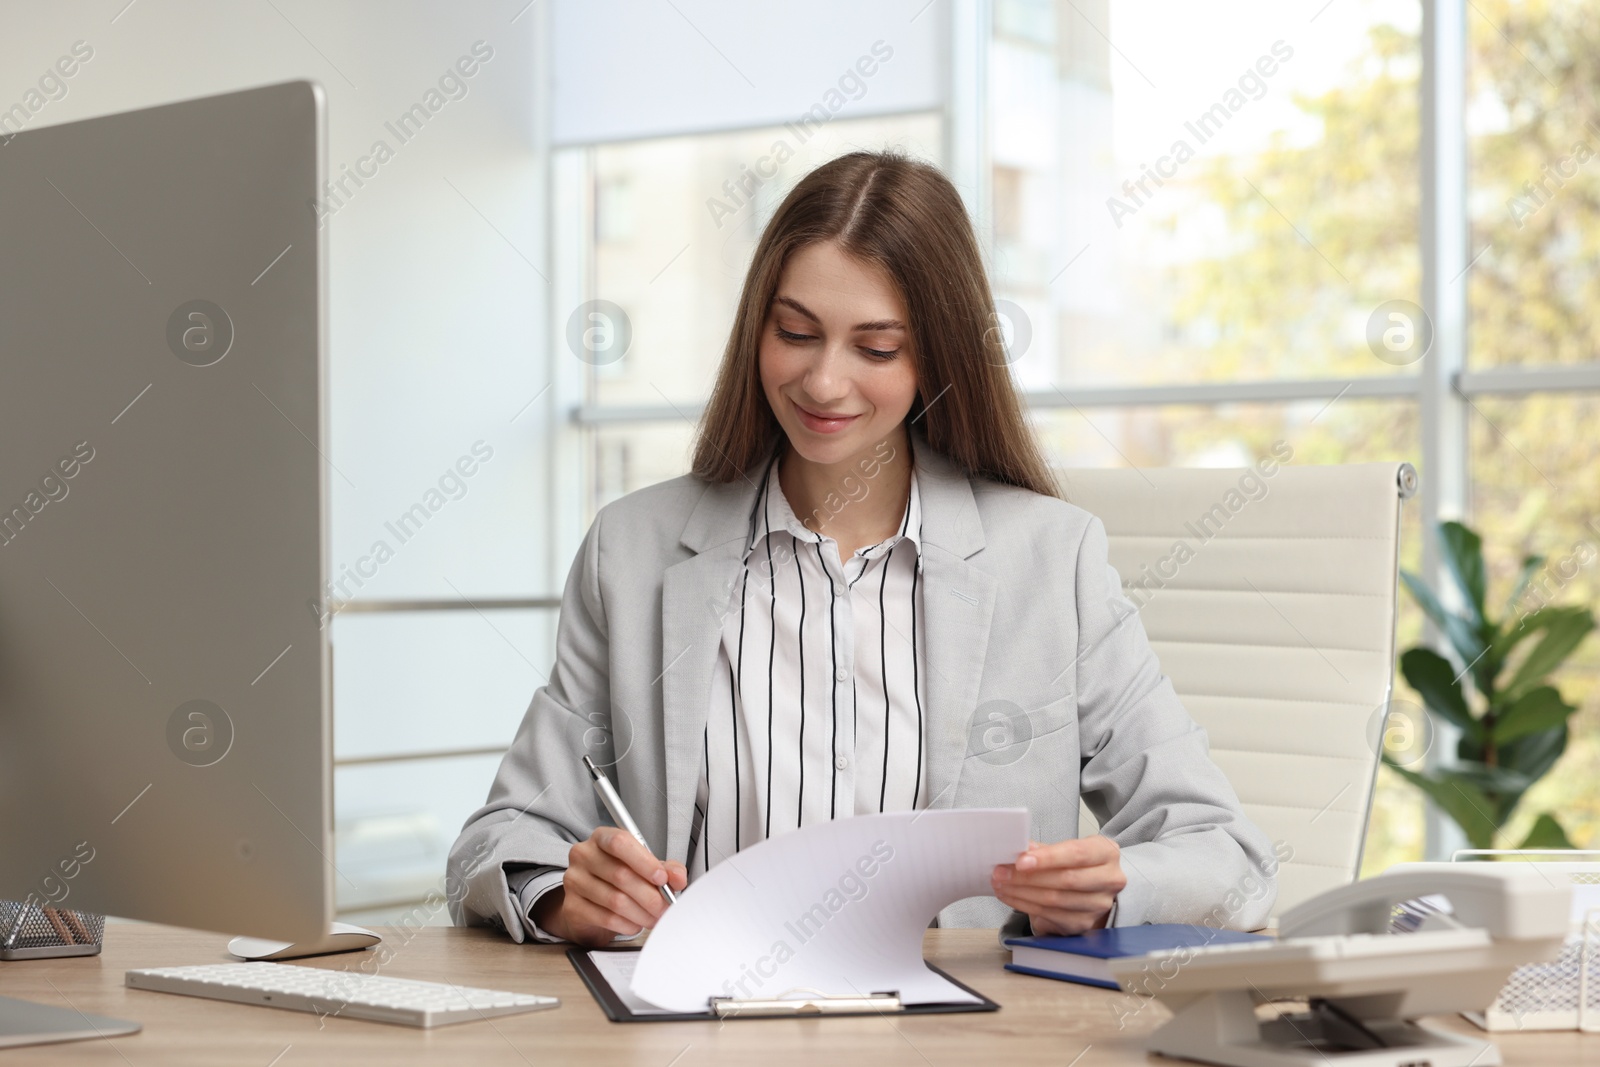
31, 931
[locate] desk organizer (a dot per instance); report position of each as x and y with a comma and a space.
36, 931
1563, 993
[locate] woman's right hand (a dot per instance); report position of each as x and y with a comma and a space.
612, 886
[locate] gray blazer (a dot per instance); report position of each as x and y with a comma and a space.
1043, 688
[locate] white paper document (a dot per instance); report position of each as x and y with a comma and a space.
838, 907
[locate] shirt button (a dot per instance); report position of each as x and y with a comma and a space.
837, 588
842, 674
841, 763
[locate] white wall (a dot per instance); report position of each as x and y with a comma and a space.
636, 68
437, 330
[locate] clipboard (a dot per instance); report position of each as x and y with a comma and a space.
767, 1007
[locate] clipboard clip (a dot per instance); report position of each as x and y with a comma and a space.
817, 1003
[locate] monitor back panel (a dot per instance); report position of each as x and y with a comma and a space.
164, 670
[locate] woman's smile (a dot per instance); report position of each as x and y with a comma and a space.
823, 424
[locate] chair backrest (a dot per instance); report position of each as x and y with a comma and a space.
1270, 600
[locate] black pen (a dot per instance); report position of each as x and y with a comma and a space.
619, 813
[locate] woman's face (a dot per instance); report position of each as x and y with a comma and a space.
836, 343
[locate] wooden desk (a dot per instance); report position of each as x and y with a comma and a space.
1040, 1021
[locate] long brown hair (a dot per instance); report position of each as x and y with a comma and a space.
906, 217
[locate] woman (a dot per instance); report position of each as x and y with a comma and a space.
940, 629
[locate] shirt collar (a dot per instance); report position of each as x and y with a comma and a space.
773, 514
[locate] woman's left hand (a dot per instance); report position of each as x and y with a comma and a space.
1065, 888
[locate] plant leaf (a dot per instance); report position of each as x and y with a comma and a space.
1463, 554
1546, 832
1530, 566
1431, 675
1534, 622
1540, 708
1490, 781
1534, 754
1563, 634
1462, 801
1461, 633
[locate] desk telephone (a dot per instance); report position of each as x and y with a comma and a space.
1363, 982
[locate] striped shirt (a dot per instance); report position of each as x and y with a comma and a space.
818, 695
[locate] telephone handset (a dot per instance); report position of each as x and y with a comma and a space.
1364, 983
1508, 901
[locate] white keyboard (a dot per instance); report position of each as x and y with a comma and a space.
344, 994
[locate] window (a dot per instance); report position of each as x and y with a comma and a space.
1204, 193
1533, 201
1229, 435
1536, 491
1533, 183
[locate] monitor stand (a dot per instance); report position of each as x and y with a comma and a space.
341, 937
25, 1023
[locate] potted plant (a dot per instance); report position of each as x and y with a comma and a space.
1513, 724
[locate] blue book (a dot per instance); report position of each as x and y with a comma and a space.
1084, 957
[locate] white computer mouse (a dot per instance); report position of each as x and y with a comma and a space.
343, 937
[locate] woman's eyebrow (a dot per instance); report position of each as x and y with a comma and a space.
861, 327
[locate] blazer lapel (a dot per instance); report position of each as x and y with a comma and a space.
694, 602
959, 601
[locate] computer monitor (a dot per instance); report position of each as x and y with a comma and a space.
164, 689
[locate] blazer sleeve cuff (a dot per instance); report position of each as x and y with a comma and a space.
526, 887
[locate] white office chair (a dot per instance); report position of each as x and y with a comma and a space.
1275, 622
